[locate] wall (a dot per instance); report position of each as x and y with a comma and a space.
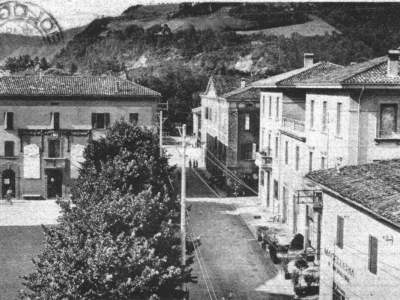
361, 284
370, 147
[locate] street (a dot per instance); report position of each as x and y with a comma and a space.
230, 262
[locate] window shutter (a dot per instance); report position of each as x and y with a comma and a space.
107, 120
373, 254
94, 123
339, 232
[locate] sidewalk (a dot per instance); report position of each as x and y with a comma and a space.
29, 213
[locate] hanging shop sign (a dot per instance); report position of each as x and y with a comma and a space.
339, 266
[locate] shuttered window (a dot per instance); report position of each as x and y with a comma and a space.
55, 120
324, 115
339, 232
373, 254
388, 120
100, 120
297, 157
9, 120
286, 152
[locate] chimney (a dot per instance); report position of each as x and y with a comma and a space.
242, 83
393, 63
308, 59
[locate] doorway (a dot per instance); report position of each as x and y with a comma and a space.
54, 183
8, 182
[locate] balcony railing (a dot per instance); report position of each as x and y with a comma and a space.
293, 124
264, 159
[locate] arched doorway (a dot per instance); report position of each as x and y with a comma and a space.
8, 182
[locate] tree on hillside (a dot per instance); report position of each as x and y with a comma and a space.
120, 238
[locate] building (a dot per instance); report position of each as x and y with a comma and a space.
47, 121
230, 127
360, 244
322, 116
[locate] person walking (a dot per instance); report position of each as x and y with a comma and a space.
190, 163
9, 196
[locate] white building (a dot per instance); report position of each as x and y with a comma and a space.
322, 116
360, 244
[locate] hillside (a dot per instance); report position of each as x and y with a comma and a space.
16, 45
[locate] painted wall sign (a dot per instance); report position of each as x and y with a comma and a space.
339, 266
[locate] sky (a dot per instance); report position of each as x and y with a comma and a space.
74, 13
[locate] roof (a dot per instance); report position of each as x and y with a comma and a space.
46, 85
374, 186
224, 84
316, 71
368, 72
273, 80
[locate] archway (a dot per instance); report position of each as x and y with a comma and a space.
8, 182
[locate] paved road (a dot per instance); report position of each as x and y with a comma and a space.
233, 261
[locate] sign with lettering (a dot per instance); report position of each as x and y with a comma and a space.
339, 266
31, 161
76, 159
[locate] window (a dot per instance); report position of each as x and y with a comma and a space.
276, 189
9, 120
9, 148
286, 152
297, 157
263, 105
247, 151
134, 118
324, 116
310, 161
262, 178
54, 148
269, 144
55, 120
339, 119
276, 146
339, 232
100, 120
270, 107
247, 122
323, 162
373, 254
312, 114
277, 107
206, 113
262, 138
388, 120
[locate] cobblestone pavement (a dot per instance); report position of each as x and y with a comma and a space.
231, 262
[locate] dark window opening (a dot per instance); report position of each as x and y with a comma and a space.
54, 148
100, 120
9, 120
134, 118
339, 232
9, 148
373, 254
56, 120
276, 189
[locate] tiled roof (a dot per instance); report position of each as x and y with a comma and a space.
361, 73
273, 80
241, 94
316, 71
375, 186
71, 86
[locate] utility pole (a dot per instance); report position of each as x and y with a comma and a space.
183, 197
161, 132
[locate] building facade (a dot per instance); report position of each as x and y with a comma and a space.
48, 120
360, 256
323, 116
230, 127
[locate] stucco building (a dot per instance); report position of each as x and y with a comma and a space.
322, 116
230, 127
47, 121
360, 244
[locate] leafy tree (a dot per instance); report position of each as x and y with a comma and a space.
44, 65
119, 239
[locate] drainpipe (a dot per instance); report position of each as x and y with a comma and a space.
359, 125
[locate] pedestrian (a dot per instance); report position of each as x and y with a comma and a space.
195, 164
9, 196
190, 163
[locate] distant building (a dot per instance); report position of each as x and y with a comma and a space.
230, 127
47, 121
360, 241
323, 116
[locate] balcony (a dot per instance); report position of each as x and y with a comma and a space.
293, 124
263, 160
54, 162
